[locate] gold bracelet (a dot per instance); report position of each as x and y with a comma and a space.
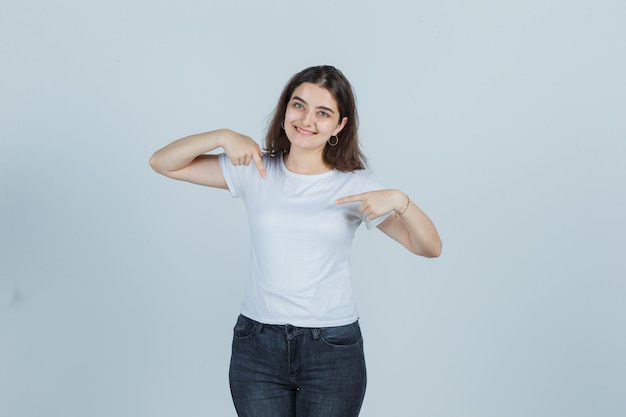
408, 201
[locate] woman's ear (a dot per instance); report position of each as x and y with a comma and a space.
340, 126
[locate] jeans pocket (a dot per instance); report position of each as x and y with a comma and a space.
342, 336
244, 327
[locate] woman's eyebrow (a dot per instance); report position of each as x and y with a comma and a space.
328, 109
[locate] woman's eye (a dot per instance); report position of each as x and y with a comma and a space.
297, 105
323, 114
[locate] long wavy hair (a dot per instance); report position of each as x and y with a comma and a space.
346, 155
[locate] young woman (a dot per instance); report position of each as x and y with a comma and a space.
297, 347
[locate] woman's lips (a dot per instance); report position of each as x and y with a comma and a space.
304, 132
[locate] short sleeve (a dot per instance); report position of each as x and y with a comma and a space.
233, 181
241, 179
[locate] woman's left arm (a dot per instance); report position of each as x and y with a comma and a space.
409, 225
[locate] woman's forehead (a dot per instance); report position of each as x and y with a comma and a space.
315, 95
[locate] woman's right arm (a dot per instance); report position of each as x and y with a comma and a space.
186, 160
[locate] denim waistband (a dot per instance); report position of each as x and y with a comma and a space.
288, 329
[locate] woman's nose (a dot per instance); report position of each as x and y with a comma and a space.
307, 117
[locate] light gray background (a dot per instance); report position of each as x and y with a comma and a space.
503, 120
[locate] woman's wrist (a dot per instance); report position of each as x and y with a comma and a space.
404, 205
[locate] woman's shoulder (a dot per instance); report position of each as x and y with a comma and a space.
272, 162
271, 159
360, 174
361, 178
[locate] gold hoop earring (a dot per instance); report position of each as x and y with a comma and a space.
333, 143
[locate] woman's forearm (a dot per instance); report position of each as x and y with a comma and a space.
423, 235
181, 152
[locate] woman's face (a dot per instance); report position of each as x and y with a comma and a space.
312, 117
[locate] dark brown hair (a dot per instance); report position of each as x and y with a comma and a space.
346, 155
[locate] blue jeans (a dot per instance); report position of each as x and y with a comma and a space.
287, 371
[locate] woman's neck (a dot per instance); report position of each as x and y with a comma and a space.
305, 163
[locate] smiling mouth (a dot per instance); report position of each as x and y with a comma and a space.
304, 132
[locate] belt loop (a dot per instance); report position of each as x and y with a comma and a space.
259, 328
316, 333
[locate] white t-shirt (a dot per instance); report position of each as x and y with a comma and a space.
300, 242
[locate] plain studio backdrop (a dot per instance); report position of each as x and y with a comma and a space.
505, 121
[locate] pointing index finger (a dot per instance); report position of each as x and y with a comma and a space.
258, 161
349, 199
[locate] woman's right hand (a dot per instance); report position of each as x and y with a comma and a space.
241, 149
186, 159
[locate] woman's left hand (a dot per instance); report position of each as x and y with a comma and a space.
377, 203
411, 227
